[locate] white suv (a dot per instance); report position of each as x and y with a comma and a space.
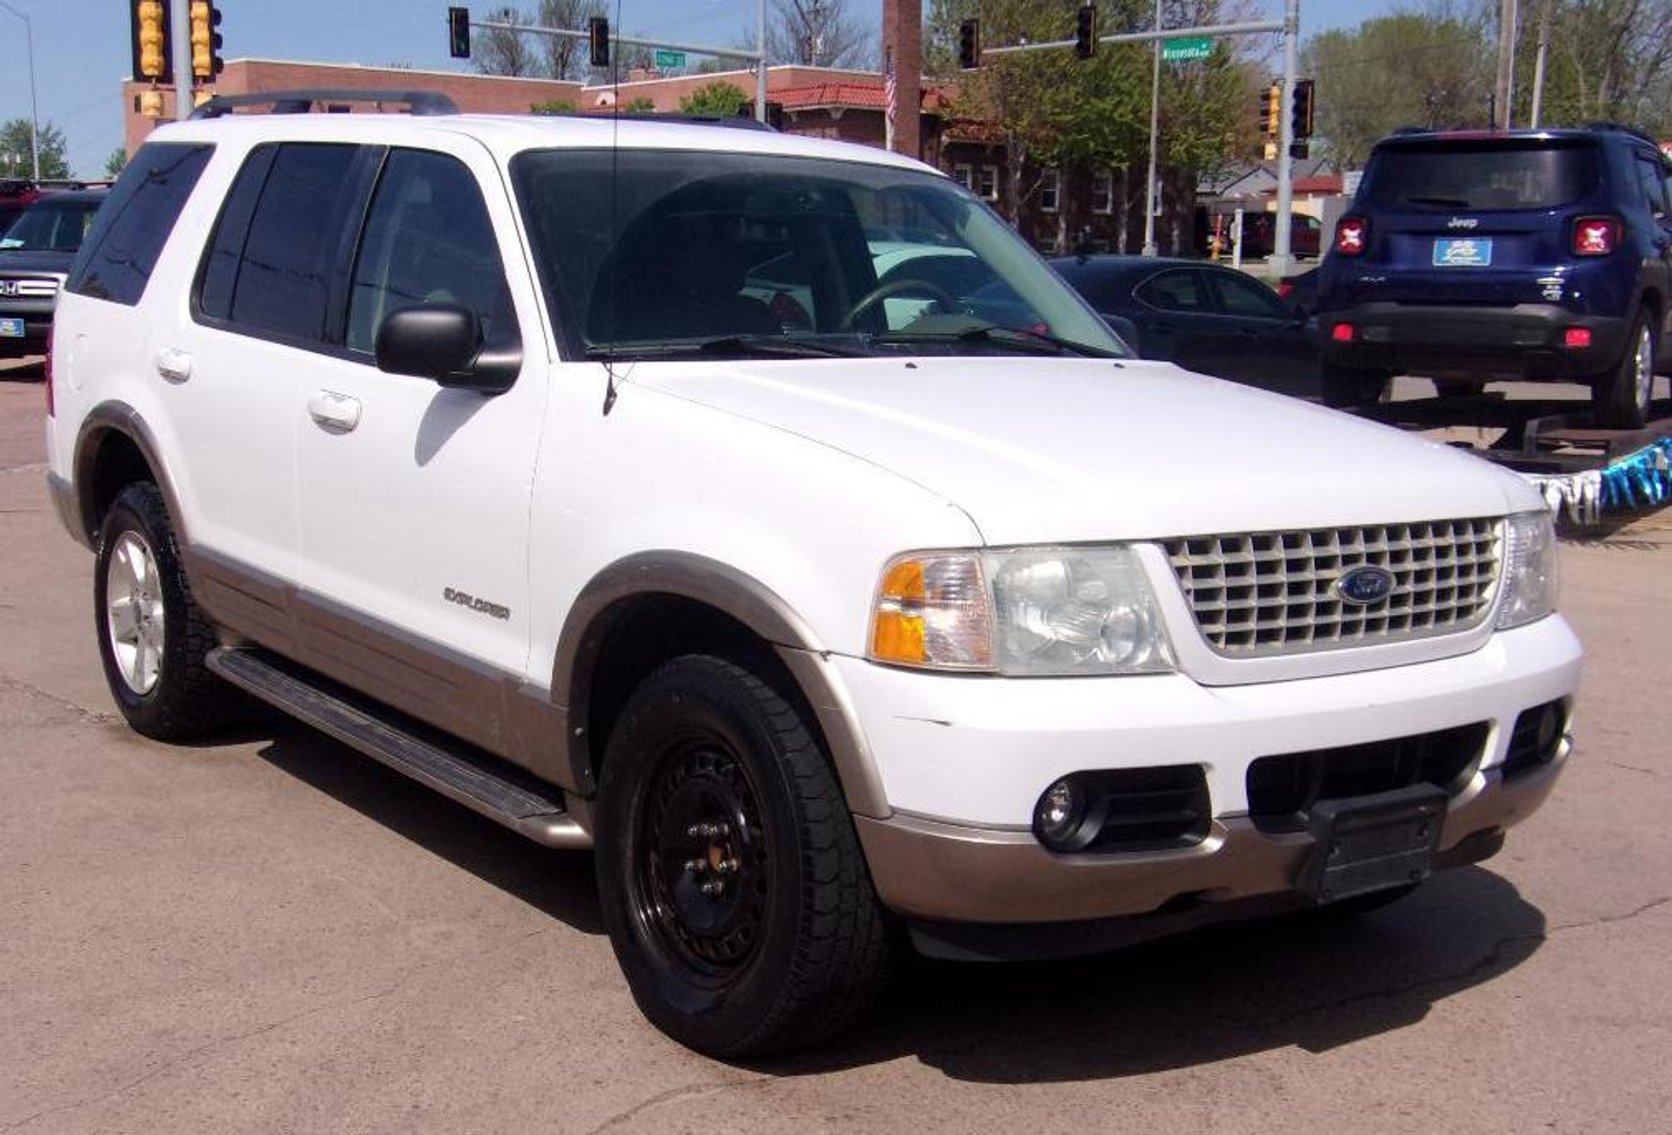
761, 512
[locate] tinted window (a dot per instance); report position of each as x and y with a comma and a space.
1654, 189
428, 240
1173, 291
1483, 176
280, 280
1241, 296
120, 253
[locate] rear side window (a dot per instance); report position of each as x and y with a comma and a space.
269, 269
1480, 177
1173, 291
119, 255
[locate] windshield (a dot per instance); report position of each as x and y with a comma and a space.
51, 226
653, 252
1519, 174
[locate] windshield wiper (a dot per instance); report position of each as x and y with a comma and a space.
1037, 341
729, 345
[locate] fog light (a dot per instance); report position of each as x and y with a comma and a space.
1342, 333
1577, 338
1059, 817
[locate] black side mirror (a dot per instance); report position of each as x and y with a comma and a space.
443, 341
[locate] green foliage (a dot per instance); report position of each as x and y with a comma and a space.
640, 105
1609, 61
553, 106
16, 158
718, 99
117, 162
1405, 70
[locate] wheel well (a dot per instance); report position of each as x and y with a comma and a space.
116, 462
646, 631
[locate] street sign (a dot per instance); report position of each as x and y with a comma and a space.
1180, 50
668, 60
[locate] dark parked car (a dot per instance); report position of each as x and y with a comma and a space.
1203, 317
1469, 257
35, 256
1259, 234
1300, 291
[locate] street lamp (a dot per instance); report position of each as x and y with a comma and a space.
34, 112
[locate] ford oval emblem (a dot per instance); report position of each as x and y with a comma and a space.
1363, 586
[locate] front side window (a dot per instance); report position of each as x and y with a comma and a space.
651, 252
1239, 295
428, 239
135, 220
1654, 187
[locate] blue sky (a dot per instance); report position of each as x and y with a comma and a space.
82, 54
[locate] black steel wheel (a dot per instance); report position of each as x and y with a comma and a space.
152, 637
732, 881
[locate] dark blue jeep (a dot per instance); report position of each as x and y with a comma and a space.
1473, 256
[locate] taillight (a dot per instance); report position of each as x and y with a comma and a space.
47, 370
1284, 289
1342, 332
1596, 236
1352, 234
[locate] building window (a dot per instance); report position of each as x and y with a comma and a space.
987, 183
964, 174
1103, 191
1050, 181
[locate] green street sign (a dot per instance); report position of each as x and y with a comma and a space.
1178, 50
667, 60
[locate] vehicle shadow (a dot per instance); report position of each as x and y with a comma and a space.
1310, 981
559, 883
32, 369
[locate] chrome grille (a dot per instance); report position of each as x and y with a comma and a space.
1263, 593
27, 287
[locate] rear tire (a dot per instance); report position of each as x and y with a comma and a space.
152, 637
1620, 398
732, 882
1345, 389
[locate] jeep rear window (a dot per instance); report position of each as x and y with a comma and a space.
1479, 177
135, 220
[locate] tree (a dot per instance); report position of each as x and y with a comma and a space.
16, 157
553, 106
817, 33
640, 105
567, 58
117, 162
497, 51
1431, 69
1609, 61
718, 99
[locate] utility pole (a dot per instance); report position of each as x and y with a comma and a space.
1154, 134
1280, 259
180, 42
1538, 61
1504, 91
34, 113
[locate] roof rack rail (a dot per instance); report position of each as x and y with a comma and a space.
303, 101
735, 121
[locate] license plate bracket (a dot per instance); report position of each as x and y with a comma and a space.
1363, 844
11, 329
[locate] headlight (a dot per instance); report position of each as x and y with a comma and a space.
1024, 611
1529, 569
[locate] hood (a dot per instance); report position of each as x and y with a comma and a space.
1067, 450
14, 261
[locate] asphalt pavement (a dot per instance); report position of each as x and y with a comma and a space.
272, 933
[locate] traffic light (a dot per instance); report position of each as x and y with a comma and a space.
150, 41
1085, 31
598, 29
1270, 122
969, 44
458, 33
206, 41
1300, 115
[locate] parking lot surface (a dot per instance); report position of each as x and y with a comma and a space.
273, 933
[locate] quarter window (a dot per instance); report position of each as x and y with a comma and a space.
135, 221
428, 239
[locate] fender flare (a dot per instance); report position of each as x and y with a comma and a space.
115, 416
742, 598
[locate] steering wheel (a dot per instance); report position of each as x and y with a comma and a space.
893, 288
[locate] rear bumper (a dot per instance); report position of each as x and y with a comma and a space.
1522, 341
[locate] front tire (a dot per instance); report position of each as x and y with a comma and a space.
732, 881
1620, 398
152, 637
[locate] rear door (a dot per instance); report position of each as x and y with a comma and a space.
1177, 319
1471, 221
1275, 350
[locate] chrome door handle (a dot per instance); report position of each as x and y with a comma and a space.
173, 364
336, 412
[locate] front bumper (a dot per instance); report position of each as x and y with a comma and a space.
963, 762
1519, 341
